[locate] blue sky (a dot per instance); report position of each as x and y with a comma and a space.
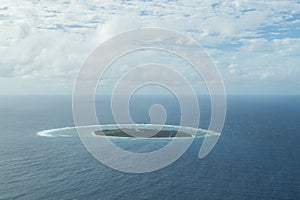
255, 44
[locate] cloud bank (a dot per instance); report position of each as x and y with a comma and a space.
254, 43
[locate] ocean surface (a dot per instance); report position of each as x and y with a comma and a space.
256, 157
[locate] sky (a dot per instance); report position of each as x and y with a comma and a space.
254, 44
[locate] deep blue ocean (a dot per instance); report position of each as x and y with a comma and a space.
256, 157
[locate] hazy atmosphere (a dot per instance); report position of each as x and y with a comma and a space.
151, 99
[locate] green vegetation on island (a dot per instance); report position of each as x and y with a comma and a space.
142, 133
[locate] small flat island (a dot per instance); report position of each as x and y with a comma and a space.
142, 133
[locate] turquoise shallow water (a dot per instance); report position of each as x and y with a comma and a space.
257, 156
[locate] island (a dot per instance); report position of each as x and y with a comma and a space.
142, 133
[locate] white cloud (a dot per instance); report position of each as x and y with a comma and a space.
49, 39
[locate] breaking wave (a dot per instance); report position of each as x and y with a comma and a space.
72, 132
